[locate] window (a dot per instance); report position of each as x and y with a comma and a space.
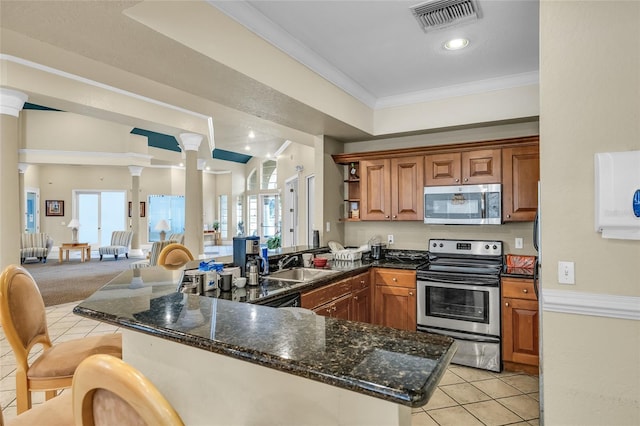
252, 203
269, 175
270, 219
252, 181
239, 213
169, 208
224, 216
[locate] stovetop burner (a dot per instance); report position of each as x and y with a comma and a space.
464, 257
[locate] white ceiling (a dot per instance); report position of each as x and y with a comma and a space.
374, 50
377, 51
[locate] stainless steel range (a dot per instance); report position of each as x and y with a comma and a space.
459, 295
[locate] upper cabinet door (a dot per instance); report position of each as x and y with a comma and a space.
375, 184
483, 166
407, 176
442, 169
521, 173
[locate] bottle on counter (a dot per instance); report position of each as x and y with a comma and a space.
316, 238
265, 260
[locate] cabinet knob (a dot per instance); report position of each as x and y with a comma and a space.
506, 304
508, 215
395, 279
394, 216
457, 180
466, 179
361, 281
329, 310
387, 216
333, 308
410, 293
525, 290
355, 297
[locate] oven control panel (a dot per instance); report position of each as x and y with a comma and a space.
471, 247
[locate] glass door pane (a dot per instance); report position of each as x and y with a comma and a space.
112, 215
32, 205
270, 215
252, 201
89, 231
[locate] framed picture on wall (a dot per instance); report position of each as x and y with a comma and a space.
143, 212
54, 207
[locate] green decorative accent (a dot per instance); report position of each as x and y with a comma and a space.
158, 140
28, 105
221, 154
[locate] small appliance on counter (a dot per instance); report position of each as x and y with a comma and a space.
377, 251
245, 250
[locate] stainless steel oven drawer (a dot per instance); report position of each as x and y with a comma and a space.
474, 351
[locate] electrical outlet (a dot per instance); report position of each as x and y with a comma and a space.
566, 273
519, 243
390, 238
328, 226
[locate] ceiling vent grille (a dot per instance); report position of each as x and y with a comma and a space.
437, 14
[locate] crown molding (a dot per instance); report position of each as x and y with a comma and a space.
256, 22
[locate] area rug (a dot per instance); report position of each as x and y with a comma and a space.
74, 280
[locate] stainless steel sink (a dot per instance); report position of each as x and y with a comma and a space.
301, 274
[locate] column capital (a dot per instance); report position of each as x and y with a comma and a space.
135, 170
12, 101
190, 141
22, 167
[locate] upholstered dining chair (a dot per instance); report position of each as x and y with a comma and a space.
108, 391
23, 319
174, 255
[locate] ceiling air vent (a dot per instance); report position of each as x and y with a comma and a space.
437, 14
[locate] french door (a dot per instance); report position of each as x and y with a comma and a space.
99, 213
32, 212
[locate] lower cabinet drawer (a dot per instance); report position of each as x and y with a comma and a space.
394, 277
518, 288
322, 295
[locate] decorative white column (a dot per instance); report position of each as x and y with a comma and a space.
22, 169
193, 224
201, 165
11, 103
135, 171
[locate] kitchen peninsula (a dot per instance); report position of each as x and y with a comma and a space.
222, 362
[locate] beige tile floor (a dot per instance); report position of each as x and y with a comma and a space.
465, 396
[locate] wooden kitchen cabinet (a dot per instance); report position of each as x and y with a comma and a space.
465, 167
361, 298
395, 298
348, 299
391, 189
521, 173
520, 325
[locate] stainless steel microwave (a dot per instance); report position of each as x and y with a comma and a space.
463, 204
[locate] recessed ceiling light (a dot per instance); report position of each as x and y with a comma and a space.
456, 44
252, 135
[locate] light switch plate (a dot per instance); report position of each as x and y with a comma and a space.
519, 243
566, 273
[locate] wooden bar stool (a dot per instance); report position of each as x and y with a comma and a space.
23, 318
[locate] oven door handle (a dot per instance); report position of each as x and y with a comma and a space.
443, 282
461, 336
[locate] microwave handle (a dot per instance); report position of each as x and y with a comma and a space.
483, 204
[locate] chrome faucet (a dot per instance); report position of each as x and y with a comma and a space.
285, 261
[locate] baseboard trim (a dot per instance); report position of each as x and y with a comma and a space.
593, 304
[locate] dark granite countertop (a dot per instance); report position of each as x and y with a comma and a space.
398, 366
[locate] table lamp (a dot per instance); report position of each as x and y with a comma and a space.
74, 225
162, 226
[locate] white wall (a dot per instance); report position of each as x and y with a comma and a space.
590, 102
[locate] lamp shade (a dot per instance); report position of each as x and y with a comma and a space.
73, 224
162, 225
